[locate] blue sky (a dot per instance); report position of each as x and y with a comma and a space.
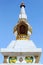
9, 12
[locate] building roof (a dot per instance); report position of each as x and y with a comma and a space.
21, 46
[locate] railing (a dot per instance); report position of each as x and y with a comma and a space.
22, 37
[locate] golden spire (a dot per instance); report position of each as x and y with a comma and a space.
22, 30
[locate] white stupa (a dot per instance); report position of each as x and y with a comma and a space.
21, 51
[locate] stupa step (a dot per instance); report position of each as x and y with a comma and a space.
21, 64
